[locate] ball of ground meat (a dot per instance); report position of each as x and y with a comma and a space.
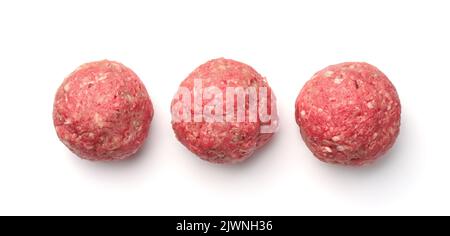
225, 139
102, 112
348, 114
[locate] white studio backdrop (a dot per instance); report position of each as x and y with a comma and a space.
41, 42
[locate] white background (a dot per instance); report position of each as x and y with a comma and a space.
163, 41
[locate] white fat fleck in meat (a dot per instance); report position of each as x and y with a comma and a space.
101, 76
371, 105
336, 138
128, 97
328, 73
327, 149
303, 113
98, 120
68, 122
67, 87
340, 148
338, 80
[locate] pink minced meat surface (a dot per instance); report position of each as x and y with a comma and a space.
223, 142
102, 111
349, 114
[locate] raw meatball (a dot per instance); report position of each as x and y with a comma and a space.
102, 112
229, 141
348, 114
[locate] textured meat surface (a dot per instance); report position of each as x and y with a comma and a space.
102, 111
223, 142
348, 114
